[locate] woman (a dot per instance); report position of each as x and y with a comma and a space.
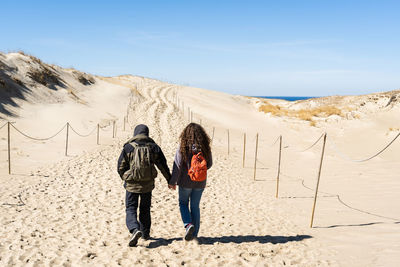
193, 140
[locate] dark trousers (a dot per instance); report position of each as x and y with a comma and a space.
131, 205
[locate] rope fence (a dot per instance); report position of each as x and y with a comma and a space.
345, 157
308, 148
39, 139
337, 196
260, 165
83, 135
188, 115
66, 126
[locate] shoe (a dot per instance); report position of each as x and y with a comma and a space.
189, 232
146, 236
135, 237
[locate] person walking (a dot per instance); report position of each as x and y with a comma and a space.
192, 159
136, 169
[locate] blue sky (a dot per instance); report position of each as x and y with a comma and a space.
277, 48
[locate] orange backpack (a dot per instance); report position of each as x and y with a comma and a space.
198, 168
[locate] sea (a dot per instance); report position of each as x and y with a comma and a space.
288, 98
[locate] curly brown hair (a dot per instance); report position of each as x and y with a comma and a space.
194, 134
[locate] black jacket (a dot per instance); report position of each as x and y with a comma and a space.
157, 158
180, 174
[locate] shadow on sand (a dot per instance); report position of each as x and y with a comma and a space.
354, 225
234, 239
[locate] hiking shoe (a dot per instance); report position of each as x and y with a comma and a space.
135, 237
189, 232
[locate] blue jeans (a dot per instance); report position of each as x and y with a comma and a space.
193, 216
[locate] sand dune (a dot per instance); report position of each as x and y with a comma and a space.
69, 211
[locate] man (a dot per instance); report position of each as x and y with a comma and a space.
136, 169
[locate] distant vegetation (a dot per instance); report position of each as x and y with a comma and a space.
394, 129
302, 114
84, 79
45, 74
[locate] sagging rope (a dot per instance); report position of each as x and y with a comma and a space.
39, 139
48, 138
21, 202
263, 164
101, 128
308, 148
345, 157
83, 135
275, 141
3, 125
337, 196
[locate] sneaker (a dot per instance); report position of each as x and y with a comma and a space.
135, 237
189, 232
146, 236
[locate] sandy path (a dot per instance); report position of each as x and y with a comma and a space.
73, 212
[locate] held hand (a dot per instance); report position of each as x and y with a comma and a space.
172, 187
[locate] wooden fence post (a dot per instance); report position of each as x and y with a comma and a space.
9, 149
319, 175
279, 166
66, 140
113, 131
98, 133
255, 159
244, 148
228, 141
212, 138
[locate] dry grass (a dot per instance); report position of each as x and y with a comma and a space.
44, 76
33, 58
274, 110
302, 114
22, 53
18, 81
76, 97
322, 112
85, 79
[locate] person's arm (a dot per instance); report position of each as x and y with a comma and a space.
176, 168
161, 163
210, 162
123, 163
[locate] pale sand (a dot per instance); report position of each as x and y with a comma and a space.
72, 209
